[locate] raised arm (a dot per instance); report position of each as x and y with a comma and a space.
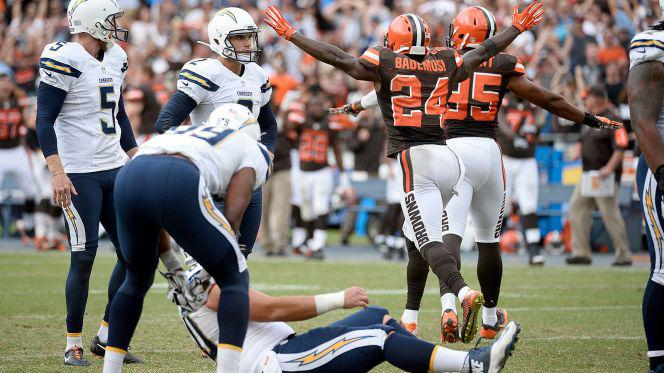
645, 90
556, 104
521, 22
323, 52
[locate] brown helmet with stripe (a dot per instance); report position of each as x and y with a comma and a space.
471, 27
408, 33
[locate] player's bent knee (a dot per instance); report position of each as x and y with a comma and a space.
435, 253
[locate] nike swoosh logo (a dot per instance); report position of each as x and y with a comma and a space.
47, 73
186, 84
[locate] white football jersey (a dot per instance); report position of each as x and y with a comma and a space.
648, 46
208, 82
87, 129
218, 153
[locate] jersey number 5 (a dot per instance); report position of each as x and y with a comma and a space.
106, 104
412, 102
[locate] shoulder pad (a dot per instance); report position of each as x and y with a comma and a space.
200, 72
647, 46
62, 58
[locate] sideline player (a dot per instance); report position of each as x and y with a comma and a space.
645, 89
316, 136
356, 343
471, 129
234, 77
170, 185
412, 84
83, 130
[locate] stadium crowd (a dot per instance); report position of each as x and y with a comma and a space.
579, 50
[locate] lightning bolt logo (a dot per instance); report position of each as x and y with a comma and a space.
72, 219
315, 356
651, 214
209, 207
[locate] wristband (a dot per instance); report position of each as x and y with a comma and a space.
330, 301
58, 173
370, 100
590, 120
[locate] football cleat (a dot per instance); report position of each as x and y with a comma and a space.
74, 356
471, 305
536, 260
491, 359
449, 327
315, 254
410, 326
98, 348
489, 331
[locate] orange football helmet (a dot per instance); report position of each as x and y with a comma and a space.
471, 27
408, 33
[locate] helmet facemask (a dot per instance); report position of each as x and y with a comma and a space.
244, 57
110, 26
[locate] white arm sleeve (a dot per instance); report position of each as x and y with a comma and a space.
370, 100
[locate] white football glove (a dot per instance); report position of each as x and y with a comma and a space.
190, 296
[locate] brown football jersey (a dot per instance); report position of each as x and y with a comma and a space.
413, 92
473, 104
315, 139
520, 116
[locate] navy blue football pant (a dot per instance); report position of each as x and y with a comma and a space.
251, 220
357, 343
154, 192
93, 204
653, 299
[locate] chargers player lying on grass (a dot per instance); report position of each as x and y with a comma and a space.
356, 343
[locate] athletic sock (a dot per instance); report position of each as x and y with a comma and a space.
409, 316
113, 360
463, 292
448, 302
102, 333
318, 241
170, 260
228, 358
74, 339
447, 360
489, 316
299, 236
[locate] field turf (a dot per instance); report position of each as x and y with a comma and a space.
573, 319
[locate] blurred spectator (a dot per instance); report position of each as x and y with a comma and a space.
612, 52
601, 151
275, 222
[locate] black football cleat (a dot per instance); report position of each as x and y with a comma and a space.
492, 358
98, 348
74, 356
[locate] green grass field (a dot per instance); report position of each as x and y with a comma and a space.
573, 319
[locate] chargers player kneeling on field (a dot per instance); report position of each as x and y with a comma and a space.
356, 343
169, 185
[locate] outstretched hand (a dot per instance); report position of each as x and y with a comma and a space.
275, 19
529, 18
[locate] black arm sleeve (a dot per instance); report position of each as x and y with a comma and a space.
268, 124
127, 140
176, 111
49, 103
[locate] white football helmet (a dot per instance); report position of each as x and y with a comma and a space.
228, 22
97, 18
237, 117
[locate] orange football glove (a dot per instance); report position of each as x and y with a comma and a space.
595, 121
278, 22
608, 123
529, 18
